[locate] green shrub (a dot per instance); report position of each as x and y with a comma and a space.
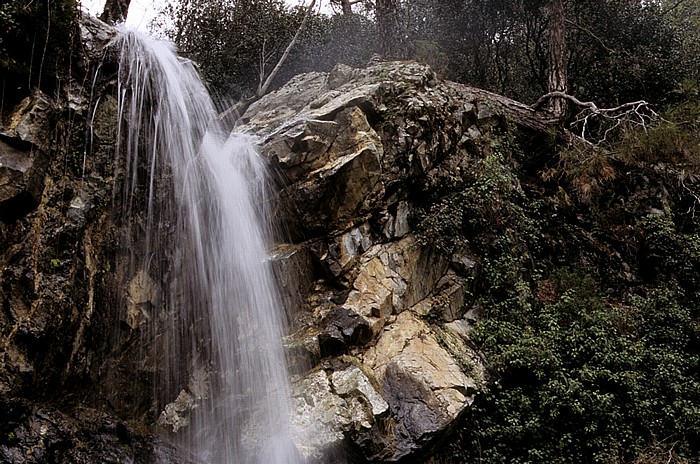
584, 380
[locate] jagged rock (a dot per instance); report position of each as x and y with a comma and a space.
464, 262
34, 434
29, 121
422, 382
320, 418
392, 278
21, 181
95, 36
447, 302
354, 381
346, 249
399, 225
328, 407
340, 178
23, 160
142, 296
343, 328
349, 143
176, 414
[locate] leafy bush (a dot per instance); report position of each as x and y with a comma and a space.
585, 380
236, 42
587, 367
672, 140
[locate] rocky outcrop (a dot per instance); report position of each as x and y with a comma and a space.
68, 380
380, 352
23, 157
381, 317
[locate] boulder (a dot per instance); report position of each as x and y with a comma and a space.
423, 383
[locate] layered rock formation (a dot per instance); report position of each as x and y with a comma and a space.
68, 379
380, 312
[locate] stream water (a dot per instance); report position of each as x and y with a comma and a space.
200, 196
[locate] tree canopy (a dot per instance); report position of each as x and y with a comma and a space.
36, 44
616, 50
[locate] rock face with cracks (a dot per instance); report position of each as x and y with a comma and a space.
387, 369
377, 365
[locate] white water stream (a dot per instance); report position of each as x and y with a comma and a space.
223, 315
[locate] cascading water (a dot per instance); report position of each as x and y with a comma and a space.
207, 251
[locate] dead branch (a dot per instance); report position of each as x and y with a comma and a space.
240, 108
590, 33
637, 113
263, 89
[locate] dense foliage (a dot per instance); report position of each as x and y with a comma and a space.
238, 42
618, 50
588, 298
36, 44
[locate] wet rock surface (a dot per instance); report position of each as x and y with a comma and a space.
70, 375
384, 370
40, 434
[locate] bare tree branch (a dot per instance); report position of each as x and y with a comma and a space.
263, 89
637, 113
590, 33
241, 107
673, 6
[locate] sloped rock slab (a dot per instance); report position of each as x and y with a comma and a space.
23, 160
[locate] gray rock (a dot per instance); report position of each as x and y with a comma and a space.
23, 160
349, 144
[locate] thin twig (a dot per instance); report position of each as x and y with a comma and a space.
262, 90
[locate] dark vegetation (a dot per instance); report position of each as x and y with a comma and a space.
38, 40
588, 298
617, 50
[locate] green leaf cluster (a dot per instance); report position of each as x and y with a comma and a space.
584, 380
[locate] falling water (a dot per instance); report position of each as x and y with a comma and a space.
202, 194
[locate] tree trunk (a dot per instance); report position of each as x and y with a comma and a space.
391, 41
557, 57
347, 7
115, 11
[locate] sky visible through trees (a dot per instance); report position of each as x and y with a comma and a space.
141, 12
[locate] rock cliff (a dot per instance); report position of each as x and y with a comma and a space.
380, 348
380, 313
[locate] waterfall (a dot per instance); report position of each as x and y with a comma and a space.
197, 247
